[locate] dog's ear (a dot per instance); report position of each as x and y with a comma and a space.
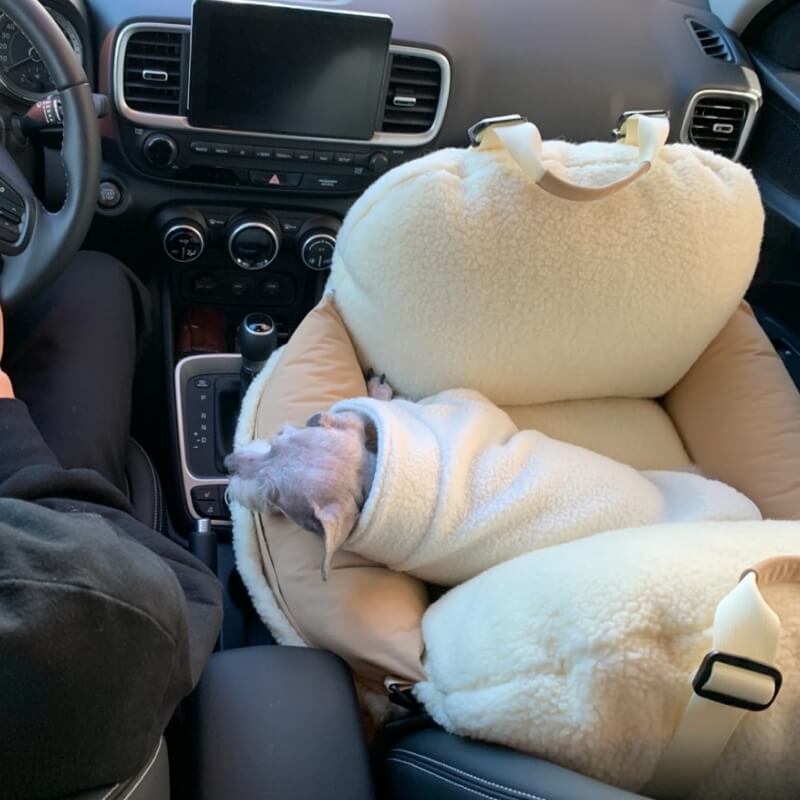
337, 521
323, 419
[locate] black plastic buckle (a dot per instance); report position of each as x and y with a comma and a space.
478, 128
402, 696
703, 675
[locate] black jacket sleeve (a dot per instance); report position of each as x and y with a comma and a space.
29, 471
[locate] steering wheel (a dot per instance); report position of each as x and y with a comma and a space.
41, 244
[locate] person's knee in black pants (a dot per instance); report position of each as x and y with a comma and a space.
94, 653
71, 353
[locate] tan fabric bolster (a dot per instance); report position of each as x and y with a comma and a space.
738, 414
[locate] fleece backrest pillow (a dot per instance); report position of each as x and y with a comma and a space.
457, 270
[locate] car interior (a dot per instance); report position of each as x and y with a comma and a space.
184, 153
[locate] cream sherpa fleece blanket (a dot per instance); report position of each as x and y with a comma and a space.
583, 654
458, 489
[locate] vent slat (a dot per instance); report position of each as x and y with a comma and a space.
419, 78
713, 44
159, 51
729, 113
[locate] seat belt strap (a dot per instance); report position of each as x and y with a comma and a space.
737, 676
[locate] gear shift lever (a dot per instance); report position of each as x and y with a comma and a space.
258, 338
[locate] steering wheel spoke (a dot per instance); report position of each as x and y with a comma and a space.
18, 207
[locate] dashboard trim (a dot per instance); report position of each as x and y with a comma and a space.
181, 123
752, 96
185, 370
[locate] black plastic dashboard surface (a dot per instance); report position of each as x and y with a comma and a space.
569, 65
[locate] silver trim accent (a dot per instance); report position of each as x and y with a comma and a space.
752, 97
316, 237
264, 226
253, 331
404, 101
144, 773
155, 75
189, 227
185, 370
179, 123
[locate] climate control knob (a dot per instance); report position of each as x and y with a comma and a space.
316, 249
184, 240
160, 150
254, 242
316, 241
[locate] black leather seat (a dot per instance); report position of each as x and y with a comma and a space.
150, 783
144, 488
434, 764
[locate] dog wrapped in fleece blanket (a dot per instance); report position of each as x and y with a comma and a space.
448, 487
583, 312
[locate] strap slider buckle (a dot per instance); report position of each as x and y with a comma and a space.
619, 131
476, 131
717, 687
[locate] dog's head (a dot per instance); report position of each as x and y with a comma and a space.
318, 476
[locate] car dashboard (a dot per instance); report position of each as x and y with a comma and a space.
229, 203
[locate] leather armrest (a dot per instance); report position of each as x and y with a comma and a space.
434, 764
278, 722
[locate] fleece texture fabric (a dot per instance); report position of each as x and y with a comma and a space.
456, 270
459, 489
583, 654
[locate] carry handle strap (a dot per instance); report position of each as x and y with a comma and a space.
524, 143
737, 676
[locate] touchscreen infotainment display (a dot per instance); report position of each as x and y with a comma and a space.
283, 70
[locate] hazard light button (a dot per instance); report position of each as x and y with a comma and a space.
275, 180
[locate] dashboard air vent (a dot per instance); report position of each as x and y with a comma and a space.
718, 124
412, 97
711, 43
153, 64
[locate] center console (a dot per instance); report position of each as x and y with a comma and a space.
264, 122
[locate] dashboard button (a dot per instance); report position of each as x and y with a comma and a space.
290, 226
109, 196
284, 155
8, 231
210, 509
345, 158
9, 203
204, 284
361, 159
216, 220
278, 290
160, 150
275, 180
204, 148
327, 182
240, 287
206, 493
12, 200
242, 150
379, 162
222, 149
303, 155
262, 152
323, 157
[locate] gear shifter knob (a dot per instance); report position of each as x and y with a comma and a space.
258, 338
